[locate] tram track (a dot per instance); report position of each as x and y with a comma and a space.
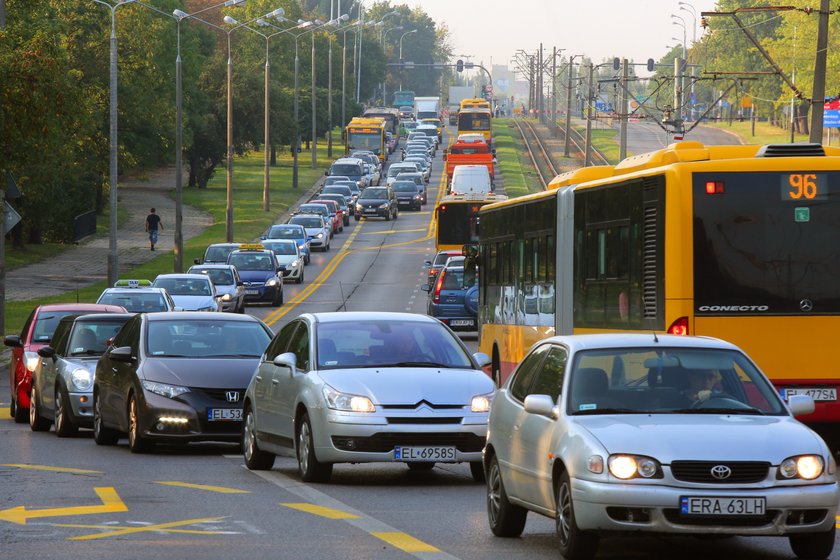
540, 158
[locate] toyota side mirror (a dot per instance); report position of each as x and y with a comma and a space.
121, 354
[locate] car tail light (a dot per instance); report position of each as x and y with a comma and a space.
438, 286
679, 327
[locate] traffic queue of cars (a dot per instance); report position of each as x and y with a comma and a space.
605, 434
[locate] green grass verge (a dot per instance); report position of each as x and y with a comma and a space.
249, 218
765, 133
605, 140
519, 174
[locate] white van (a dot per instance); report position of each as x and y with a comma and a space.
470, 179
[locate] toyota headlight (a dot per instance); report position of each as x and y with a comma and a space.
30, 360
164, 389
81, 379
481, 403
346, 402
807, 467
626, 467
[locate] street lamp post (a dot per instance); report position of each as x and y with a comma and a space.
383, 36
679, 78
688, 7
401, 57
567, 142
359, 35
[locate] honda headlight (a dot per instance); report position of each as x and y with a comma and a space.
81, 379
30, 360
807, 467
164, 389
481, 403
626, 467
346, 402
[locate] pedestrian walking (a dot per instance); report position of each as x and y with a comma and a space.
153, 224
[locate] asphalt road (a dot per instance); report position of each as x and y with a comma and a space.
69, 498
646, 137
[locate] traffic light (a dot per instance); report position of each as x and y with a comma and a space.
459, 66
651, 65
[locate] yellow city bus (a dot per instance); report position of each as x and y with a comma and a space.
367, 134
475, 103
456, 219
734, 242
475, 120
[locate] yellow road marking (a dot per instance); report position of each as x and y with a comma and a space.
144, 529
220, 489
394, 231
117, 527
111, 503
405, 542
48, 468
322, 511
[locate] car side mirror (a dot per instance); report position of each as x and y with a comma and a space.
801, 405
121, 354
13, 341
542, 405
427, 264
426, 288
286, 360
196, 261
482, 359
46, 352
326, 173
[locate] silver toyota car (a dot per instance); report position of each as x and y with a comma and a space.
365, 387
658, 434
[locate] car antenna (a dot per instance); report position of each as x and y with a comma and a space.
655, 338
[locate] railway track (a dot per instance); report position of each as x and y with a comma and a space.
578, 140
546, 170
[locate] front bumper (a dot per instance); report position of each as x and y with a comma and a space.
375, 212
292, 272
262, 292
81, 408
156, 423
315, 242
603, 506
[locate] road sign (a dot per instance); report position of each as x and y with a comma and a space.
110, 503
831, 114
11, 219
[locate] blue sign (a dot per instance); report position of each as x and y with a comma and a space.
831, 118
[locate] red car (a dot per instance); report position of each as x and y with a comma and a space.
37, 332
336, 213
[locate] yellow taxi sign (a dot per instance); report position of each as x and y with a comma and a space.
251, 247
132, 283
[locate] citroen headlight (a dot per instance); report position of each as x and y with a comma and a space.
626, 467
294, 264
271, 283
807, 467
481, 403
164, 389
320, 235
226, 297
349, 403
30, 360
81, 379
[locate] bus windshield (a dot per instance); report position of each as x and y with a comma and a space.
457, 224
761, 245
365, 141
473, 121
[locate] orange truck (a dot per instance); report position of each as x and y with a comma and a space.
469, 152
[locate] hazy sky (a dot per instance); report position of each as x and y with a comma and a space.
636, 29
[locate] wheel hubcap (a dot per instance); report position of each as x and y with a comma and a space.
32, 413
494, 493
132, 423
97, 417
59, 411
303, 448
564, 514
249, 436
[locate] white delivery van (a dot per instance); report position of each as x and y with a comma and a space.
470, 179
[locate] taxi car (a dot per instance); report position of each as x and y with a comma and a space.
288, 256
62, 383
260, 273
318, 231
291, 231
137, 296
37, 332
661, 434
176, 378
229, 287
190, 292
366, 387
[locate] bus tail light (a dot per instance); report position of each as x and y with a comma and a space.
438, 286
714, 187
679, 327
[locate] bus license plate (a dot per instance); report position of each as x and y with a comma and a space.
424, 453
816, 393
224, 414
715, 506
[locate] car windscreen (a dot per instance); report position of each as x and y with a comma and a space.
337, 198
346, 169
314, 209
442, 257
136, 302
667, 380
202, 339
396, 169
252, 261
384, 343
307, 221
338, 189
47, 322
374, 194
415, 177
284, 232
184, 286
219, 276
90, 338
218, 254
282, 248
335, 179
405, 186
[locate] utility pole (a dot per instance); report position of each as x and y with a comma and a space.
531, 88
567, 143
588, 158
329, 98
314, 124
540, 85
677, 114
622, 112
818, 98
554, 91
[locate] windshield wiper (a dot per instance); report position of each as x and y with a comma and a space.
607, 411
87, 353
229, 356
418, 364
749, 410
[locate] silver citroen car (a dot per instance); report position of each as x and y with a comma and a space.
660, 434
367, 387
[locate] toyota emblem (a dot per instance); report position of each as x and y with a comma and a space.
721, 472
232, 396
806, 305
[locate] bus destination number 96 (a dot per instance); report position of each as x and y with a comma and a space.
803, 186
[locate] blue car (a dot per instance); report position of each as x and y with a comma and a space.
451, 302
291, 231
260, 274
